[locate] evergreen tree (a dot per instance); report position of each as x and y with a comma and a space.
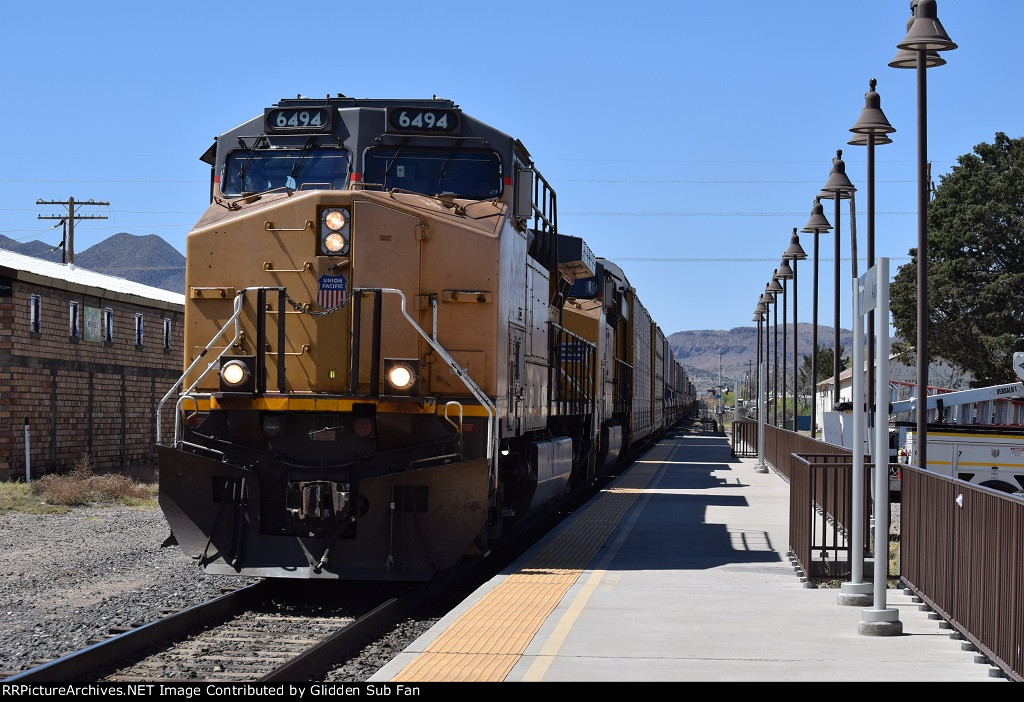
975, 266
825, 370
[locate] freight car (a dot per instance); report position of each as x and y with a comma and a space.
392, 357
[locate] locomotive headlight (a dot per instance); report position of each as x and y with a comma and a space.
401, 376
234, 373
334, 242
334, 231
334, 219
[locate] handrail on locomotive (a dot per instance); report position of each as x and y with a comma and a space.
431, 339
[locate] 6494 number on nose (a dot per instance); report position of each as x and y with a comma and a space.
304, 118
403, 119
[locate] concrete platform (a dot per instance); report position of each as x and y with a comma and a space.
694, 584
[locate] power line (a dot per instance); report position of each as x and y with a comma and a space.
84, 180
118, 211
661, 259
701, 182
708, 214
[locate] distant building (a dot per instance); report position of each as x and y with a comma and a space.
942, 375
84, 360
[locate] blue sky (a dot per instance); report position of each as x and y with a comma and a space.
685, 139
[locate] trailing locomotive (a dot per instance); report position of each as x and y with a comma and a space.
392, 356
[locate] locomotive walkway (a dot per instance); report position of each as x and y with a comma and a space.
677, 572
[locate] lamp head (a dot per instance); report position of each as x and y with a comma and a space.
838, 182
795, 252
908, 59
872, 120
817, 224
926, 32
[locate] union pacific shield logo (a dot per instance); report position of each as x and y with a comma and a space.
332, 291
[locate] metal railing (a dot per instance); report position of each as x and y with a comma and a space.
821, 482
961, 546
572, 373
622, 377
962, 552
744, 438
821, 514
232, 327
781, 444
431, 339
188, 395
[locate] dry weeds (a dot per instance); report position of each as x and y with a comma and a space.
82, 486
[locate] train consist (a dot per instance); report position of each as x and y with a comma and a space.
392, 355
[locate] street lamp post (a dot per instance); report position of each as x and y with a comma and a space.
817, 224
775, 288
768, 298
721, 391
925, 36
872, 128
795, 253
784, 273
759, 313
837, 187
862, 140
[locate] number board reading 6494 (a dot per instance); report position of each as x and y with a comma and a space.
406, 119
314, 119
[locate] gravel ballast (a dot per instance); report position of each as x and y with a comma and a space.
67, 579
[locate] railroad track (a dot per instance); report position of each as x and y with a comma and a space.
264, 632
279, 630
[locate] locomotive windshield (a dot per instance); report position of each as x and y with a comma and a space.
584, 289
259, 170
473, 174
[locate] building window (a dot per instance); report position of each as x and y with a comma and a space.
35, 314
73, 325
108, 324
138, 330
167, 333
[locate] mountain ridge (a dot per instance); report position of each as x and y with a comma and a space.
147, 259
706, 353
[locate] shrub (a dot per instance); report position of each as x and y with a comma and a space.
81, 486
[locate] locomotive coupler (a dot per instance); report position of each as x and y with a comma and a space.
318, 500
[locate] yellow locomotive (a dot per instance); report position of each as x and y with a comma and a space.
391, 355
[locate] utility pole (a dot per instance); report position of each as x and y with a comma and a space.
69, 222
721, 390
750, 365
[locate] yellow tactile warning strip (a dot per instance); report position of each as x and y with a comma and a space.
486, 642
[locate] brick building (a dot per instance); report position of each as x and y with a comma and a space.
84, 360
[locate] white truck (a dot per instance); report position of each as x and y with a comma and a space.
975, 435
